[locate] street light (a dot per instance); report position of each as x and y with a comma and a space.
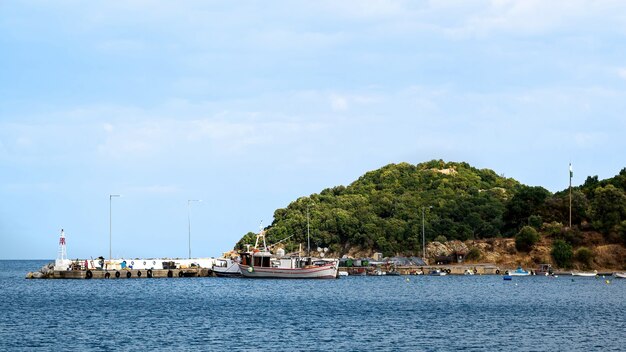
189, 220
423, 233
110, 222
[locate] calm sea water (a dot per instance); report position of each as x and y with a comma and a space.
469, 313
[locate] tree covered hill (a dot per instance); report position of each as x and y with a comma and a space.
383, 209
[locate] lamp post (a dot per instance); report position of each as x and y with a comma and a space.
110, 223
424, 233
189, 220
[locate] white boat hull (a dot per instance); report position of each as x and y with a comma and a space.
584, 274
620, 275
328, 271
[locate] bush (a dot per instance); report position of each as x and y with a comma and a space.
562, 253
584, 255
535, 221
553, 229
441, 239
473, 254
526, 239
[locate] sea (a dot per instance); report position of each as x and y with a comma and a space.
373, 313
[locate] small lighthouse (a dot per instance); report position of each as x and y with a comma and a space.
61, 261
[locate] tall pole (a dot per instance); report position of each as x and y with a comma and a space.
424, 233
110, 224
189, 220
423, 237
308, 234
571, 174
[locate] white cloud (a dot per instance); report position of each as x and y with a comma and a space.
338, 103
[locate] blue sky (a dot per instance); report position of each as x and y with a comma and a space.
249, 105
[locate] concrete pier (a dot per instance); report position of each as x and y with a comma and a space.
131, 273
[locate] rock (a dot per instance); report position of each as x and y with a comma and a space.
37, 275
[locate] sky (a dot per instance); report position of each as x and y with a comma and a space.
249, 105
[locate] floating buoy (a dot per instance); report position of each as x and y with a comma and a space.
608, 282
407, 279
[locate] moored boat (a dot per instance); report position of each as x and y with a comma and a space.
620, 275
544, 270
224, 267
519, 272
259, 262
437, 272
585, 274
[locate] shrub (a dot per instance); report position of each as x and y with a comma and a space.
535, 221
441, 239
526, 239
562, 253
473, 254
584, 255
553, 229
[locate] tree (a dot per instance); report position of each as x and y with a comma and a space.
562, 253
526, 202
608, 208
584, 255
526, 239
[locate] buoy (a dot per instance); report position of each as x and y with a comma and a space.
407, 279
250, 269
608, 282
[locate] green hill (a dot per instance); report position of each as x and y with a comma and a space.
382, 210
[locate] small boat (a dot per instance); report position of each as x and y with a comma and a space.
224, 267
258, 262
519, 272
585, 274
468, 272
620, 275
343, 273
437, 272
544, 270
376, 272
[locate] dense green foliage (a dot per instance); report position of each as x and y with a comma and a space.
562, 253
584, 255
526, 239
385, 209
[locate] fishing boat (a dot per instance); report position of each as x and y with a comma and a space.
259, 262
519, 272
620, 275
224, 267
544, 270
585, 274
